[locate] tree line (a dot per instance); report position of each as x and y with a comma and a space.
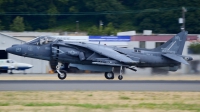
99, 17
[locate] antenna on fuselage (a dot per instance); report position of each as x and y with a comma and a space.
99, 42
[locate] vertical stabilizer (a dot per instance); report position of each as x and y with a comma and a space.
175, 45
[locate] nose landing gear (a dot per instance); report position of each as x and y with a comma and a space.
62, 74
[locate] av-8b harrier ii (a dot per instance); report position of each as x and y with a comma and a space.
96, 57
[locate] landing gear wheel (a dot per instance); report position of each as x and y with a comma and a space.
11, 73
120, 77
109, 75
62, 75
24, 72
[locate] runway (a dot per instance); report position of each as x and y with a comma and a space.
98, 85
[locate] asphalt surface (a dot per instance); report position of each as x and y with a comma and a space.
98, 85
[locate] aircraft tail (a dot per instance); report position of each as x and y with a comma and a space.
175, 45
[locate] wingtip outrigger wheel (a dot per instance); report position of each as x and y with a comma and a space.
120, 77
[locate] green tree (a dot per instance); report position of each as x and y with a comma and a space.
107, 30
17, 24
52, 10
110, 30
194, 48
110, 6
93, 31
159, 16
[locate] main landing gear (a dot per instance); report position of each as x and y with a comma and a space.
110, 75
62, 74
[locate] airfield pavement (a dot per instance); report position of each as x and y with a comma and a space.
97, 82
98, 76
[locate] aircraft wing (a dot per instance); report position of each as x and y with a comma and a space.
6, 67
135, 48
108, 64
176, 58
106, 51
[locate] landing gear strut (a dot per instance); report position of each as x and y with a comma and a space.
11, 72
62, 74
109, 75
120, 77
24, 72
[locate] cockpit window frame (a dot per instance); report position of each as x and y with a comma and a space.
33, 40
42, 40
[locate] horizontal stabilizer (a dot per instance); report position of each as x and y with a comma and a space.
176, 58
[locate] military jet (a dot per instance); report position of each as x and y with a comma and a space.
96, 57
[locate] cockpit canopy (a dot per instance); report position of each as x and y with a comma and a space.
42, 40
10, 61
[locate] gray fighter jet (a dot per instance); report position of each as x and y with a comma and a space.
96, 57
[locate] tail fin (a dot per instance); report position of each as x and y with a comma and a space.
175, 45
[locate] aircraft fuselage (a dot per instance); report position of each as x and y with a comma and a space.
66, 53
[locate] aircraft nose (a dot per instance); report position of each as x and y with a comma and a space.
30, 66
15, 49
9, 50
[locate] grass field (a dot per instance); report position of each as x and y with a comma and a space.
99, 101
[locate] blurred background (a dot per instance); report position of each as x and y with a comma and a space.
124, 23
